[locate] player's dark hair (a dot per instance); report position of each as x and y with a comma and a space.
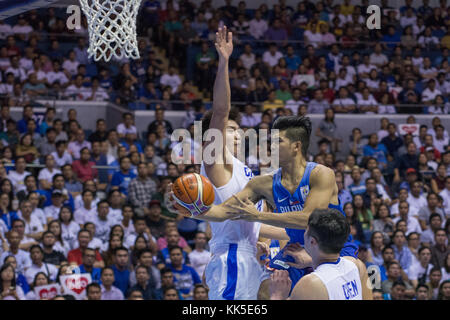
330, 228
206, 120
297, 129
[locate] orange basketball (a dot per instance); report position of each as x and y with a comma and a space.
194, 193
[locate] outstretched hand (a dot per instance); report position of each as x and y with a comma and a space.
244, 210
224, 43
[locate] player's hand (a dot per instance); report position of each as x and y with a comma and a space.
301, 257
280, 285
172, 205
244, 210
224, 43
262, 248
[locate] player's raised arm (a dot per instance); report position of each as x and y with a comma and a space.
219, 173
323, 185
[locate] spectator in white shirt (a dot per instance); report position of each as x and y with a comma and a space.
88, 211
365, 68
15, 68
421, 268
427, 39
415, 199
61, 156
343, 79
5, 30
22, 29
77, 91
26, 62
409, 19
367, 103
378, 58
37, 257
440, 141
248, 118
247, 57
75, 146
445, 194
272, 55
127, 126
312, 37
22, 256
7, 87
18, 176
200, 257
33, 226
412, 224
46, 174
96, 92
71, 64
430, 93
343, 103
52, 211
57, 75
258, 26
171, 79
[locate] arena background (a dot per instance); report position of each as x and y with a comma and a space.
161, 43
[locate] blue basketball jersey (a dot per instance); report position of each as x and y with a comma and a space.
287, 202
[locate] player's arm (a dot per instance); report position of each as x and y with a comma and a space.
271, 232
220, 173
221, 212
323, 183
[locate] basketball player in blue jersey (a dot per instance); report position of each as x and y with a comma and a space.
334, 278
295, 189
233, 272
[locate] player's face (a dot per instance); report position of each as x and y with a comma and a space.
232, 136
286, 148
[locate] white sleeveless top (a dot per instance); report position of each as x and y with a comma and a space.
341, 278
243, 233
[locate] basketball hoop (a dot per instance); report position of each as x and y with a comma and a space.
112, 28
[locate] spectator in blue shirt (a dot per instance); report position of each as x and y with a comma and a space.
7, 215
293, 61
100, 160
391, 39
122, 178
59, 184
401, 251
22, 124
120, 268
130, 140
185, 277
88, 265
376, 150
358, 186
343, 194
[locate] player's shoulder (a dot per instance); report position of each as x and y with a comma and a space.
310, 287
322, 172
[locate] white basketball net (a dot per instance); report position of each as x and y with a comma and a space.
112, 28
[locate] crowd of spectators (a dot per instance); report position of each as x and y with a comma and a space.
96, 203
284, 56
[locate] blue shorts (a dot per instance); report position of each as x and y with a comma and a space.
279, 262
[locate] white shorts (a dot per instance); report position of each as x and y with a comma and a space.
233, 273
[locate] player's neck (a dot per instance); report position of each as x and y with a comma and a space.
325, 258
293, 171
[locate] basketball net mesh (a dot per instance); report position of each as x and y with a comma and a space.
112, 28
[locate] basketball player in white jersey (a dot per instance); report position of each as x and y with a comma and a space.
334, 277
233, 272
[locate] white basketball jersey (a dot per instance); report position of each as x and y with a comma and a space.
241, 232
341, 279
